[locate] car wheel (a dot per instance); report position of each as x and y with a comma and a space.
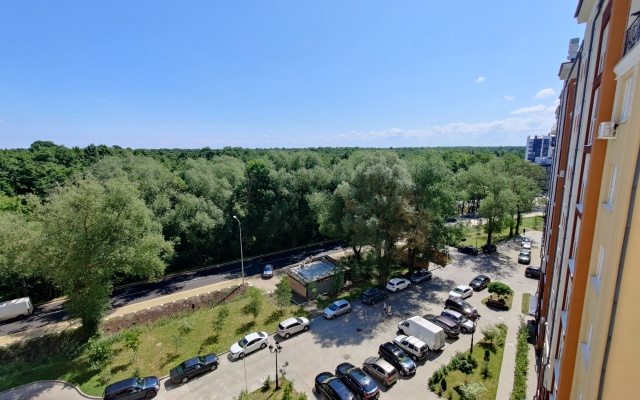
397, 290
241, 356
349, 310
402, 332
150, 395
386, 384
464, 330
263, 345
306, 328
287, 335
401, 374
213, 367
185, 379
332, 317
414, 357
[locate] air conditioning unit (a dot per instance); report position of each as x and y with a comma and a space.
607, 130
561, 173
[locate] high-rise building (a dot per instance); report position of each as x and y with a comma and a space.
587, 318
540, 149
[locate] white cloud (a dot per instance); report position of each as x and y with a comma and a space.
548, 92
509, 98
528, 110
480, 79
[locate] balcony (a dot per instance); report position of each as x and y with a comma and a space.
633, 36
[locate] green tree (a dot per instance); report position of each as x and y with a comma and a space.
18, 233
93, 232
283, 292
255, 304
499, 288
131, 341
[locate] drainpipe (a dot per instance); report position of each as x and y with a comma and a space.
584, 98
616, 296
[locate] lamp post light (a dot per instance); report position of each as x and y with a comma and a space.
276, 349
241, 256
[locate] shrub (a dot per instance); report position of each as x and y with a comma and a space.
490, 334
131, 341
98, 352
185, 327
472, 390
499, 288
522, 362
485, 371
283, 292
443, 385
254, 306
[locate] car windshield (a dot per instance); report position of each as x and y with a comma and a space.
268, 268
180, 368
333, 307
299, 320
477, 280
457, 290
243, 343
463, 319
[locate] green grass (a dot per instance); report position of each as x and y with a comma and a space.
455, 378
471, 233
158, 352
525, 303
271, 393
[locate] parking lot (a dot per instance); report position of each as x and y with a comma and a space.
354, 337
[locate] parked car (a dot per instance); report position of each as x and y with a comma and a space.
17, 308
533, 272
194, 367
290, 326
468, 250
450, 328
132, 389
414, 347
398, 358
524, 257
489, 248
421, 275
249, 343
461, 291
461, 306
332, 387
466, 325
337, 308
380, 369
526, 245
267, 273
432, 335
358, 381
480, 282
526, 239
397, 284
373, 295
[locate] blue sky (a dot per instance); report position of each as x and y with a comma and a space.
258, 74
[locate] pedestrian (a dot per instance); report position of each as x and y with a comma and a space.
389, 309
524, 231
384, 308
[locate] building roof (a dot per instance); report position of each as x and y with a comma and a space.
313, 271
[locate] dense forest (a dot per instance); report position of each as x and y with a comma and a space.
77, 221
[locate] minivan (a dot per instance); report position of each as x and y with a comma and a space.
132, 389
373, 295
461, 306
451, 329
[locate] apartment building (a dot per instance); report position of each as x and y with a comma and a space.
540, 148
587, 319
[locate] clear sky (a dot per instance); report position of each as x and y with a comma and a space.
297, 73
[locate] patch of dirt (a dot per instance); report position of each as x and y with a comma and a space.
208, 300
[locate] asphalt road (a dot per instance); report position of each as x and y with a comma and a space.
122, 296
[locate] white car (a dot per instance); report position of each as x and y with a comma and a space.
249, 343
526, 245
526, 240
461, 291
290, 326
397, 284
336, 308
413, 346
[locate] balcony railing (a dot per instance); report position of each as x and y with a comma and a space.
633, 35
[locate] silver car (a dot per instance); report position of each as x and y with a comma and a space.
336, 308
465, 324
380, 369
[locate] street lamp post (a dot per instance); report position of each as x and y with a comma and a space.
276, 349
241, 256
477, 222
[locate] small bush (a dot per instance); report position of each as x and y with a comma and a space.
98, 352
485, 371
185, 327
443, 385
472, 390
266, 384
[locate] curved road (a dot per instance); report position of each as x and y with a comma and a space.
131, 294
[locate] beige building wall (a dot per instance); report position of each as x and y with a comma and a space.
615, 195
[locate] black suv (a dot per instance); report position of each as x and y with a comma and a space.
489, 248
533, 272
374, 295
480, 282
398, 358
332, 387
359, 382
132, 389
468, 250
451, 329
461, 306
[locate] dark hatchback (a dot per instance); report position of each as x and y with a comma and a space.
468, 250
332, 387
421, 275
194, 367
489, 248
461, 306
358, 381
533, 272
398, 358
133, 389
451, 329
480, 282
373, 295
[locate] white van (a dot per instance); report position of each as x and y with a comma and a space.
16, 308
424, 330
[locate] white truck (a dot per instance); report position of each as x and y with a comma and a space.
424, 330
16, 308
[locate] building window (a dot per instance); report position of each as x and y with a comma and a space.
612, 185
600, 263
603, 49
586, 345
628, 98
585, 177
594, 114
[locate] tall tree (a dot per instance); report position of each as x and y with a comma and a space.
92, 231
17, 234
